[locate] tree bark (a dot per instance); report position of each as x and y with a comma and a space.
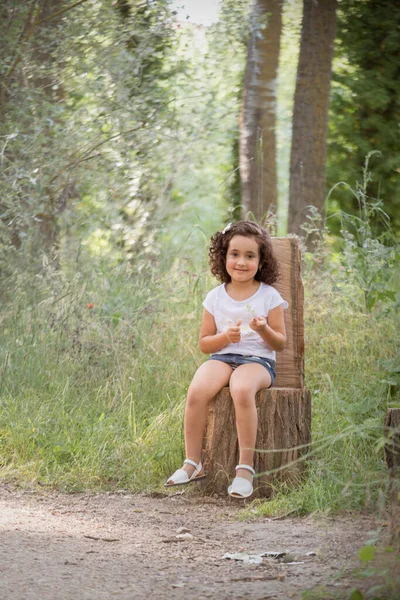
283, 438
257, 157
310, 114
290, 362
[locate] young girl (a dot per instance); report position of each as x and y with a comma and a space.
242, 328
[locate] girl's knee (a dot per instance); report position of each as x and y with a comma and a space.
197, 395
242, 395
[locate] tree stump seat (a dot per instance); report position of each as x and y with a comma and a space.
284, 411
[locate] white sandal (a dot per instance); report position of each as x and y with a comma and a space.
241, 487
180, 477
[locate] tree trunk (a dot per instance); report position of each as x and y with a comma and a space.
283, 438
310, 114
257, 157
290, 362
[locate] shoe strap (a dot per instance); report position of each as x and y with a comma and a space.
247, 467
187, 461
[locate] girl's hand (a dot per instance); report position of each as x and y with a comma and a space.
258, 324
233, 333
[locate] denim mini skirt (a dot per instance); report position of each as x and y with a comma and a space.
235, 360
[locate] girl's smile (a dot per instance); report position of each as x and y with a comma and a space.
242, 259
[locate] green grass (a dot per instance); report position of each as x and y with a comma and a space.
92, 398
347, 353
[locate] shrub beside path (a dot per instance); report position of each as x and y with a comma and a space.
55, 546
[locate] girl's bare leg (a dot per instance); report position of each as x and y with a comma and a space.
208, 380
244, 383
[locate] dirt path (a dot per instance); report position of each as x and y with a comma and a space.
60, 547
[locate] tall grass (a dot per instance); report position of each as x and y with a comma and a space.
95, 365
93, 375
352, 300
347, 353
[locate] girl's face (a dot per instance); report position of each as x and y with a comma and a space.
242, 258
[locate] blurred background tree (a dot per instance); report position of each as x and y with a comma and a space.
365, 106
83, 107
310, 112
258, 169
120, 123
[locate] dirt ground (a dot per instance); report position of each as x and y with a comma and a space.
104, 546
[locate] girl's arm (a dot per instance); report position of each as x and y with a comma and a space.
272, 330
211, 341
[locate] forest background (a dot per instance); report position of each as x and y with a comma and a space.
119, 153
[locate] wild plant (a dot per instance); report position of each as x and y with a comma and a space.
352, 361
369, 248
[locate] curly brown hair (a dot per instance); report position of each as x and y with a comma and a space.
268, 270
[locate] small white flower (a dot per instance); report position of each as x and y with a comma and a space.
227, 228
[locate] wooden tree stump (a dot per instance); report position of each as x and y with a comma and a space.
283, 436
284, 411
392, 455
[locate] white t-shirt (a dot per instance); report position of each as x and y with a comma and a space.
227, 311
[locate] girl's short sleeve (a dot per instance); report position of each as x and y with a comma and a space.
209, 301
277, 300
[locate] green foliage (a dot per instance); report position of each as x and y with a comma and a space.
377, 576
352, 325
378, 571
356, 595
369, 247
367, 553
94, 369
80, 122
234, 21
365, 103
128, 137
